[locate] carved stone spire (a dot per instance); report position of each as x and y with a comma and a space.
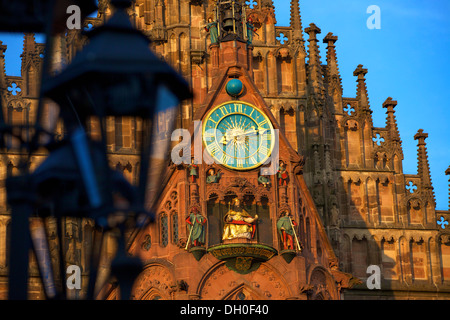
315, 65
333, 76
29, 44
423, 167
296, 21
447, 172
361, 90
29, 53
332, 64
267, 3
2, 66
391, 123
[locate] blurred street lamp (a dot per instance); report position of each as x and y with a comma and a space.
35, 16
115, 74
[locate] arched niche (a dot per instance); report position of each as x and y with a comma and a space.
154, 283
322, 283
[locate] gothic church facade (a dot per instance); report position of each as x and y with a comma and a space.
343, 188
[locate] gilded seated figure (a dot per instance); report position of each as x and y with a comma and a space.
238, 223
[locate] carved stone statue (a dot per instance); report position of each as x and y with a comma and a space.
282, 174
285, 227
238, 223
334, 215
193, 171
196, 225
264, 179
211, 27
250, 31
213, 177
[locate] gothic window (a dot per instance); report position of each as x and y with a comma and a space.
419, 260
123, 132
164, 227
14, 89
174, 227
389, 259
258, 71
444, 246
415, 211
173, 50
308, 234
17, 115
405, 257
251, 3
352, 143
385, 200
284, 71
359, 257
378, 139
184, 54
118, 132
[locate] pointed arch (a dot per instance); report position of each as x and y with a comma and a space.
183, 65
243, 292
155, 282
415, 209
322, 282
173, 50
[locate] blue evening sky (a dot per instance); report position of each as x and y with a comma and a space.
406, 60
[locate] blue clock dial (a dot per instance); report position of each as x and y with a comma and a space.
238, 135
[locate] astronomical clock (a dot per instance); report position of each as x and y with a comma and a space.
238, 135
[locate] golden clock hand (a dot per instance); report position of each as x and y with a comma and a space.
253, 131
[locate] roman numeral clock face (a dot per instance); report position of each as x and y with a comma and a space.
238, 135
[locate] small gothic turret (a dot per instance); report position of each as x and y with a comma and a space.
2, 66
315, 66
332, 64
447, 172
332, 76
423, 167
296, 21
361, 90
391, 122
29, 44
